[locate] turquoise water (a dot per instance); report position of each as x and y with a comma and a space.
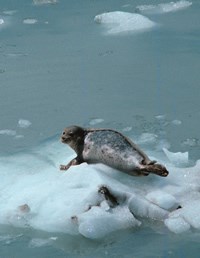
58, 67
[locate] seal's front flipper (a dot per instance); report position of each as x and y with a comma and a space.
73, 162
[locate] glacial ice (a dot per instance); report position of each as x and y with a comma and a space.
122, 22
36, 194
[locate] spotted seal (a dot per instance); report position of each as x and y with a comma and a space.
111, 148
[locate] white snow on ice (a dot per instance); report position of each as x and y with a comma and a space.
34, 193
163, 7
122, 22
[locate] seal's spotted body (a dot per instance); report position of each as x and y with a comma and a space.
110, 148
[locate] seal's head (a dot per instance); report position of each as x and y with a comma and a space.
74, 137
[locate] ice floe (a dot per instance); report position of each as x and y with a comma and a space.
163, 7
36, 194
122, 22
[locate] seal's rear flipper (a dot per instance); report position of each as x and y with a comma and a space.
155, 169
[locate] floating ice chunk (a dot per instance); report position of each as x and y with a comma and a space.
164, 7
192, 142
120, 22
8, 132
141, 207
1, 21
177, 158
96, 121
162, 199
177, 225
160, 117
41, 2
9, 12
176, 122
19, 136
127, 129
24, 123
147, 138
30, 21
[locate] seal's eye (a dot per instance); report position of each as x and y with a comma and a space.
63, 133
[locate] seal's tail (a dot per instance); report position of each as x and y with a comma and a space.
155, 169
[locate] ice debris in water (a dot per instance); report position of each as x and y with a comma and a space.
163, 7
40, 242
9, 12
119, 22
192, 142
96, 121
41, 2
1, 21
127, 129
30, 21
23, 123
146, 138
37, 195
176, 122
177, 158
8, 132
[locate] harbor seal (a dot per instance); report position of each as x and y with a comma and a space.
111, 148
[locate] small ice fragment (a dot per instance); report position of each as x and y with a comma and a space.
1, 21
177, 158
96, 121
192, 142
8, 132
162, 199
41, 2
24, 123
176, 122
163, 7
39, 242
30, 21
147, 138
177, 225
19, 136
160, 117
127, 129
9, 12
